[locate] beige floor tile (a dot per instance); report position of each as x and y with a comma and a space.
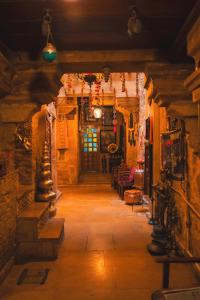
100, 242
103, 255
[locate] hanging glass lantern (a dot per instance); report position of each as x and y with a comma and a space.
49, 53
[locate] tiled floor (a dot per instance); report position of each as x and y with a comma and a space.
103, 255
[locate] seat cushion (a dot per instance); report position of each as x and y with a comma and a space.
133, 196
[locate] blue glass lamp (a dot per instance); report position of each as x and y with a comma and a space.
49, 53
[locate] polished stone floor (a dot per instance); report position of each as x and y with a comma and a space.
103, 255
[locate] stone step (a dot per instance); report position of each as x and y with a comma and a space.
47, 244
34, 211
53, 229
31, 220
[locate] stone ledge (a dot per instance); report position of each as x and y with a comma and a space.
34, 211
52, 229
6, 268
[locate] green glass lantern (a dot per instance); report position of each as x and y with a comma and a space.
49, 53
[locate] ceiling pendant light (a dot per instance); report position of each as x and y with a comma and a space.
49, 52
97, 112
134, 23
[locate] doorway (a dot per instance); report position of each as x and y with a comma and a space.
89, 150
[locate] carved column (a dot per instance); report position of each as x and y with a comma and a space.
192, 83
168, 87
167, 96
165, 84
32, 85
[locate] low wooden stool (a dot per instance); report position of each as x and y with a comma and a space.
133, 197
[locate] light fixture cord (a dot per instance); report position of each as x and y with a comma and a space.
48, 19
48, 33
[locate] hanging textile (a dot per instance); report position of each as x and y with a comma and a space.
131, 120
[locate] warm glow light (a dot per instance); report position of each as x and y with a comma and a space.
97, 112
99, 267
49, 53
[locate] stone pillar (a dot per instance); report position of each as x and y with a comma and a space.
125, 107
168, 97
21, 95
192, 83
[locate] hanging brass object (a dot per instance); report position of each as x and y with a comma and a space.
45, 183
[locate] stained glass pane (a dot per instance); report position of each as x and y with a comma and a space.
95, 140
95, 149
94, 130
85, 139
94, 135
90, 135
90, 149
85, 149
94, 144
85, 144
90, 140
85, 134
90, 144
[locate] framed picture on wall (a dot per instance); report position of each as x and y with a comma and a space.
107, 137
173, 154
108, 115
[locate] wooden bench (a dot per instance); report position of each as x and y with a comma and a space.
167, 261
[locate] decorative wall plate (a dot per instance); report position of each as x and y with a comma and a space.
112, 148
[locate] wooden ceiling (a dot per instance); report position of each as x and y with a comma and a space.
92, 24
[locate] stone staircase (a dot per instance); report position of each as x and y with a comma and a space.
38, 236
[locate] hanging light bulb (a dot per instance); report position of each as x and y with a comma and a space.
106, 73
97, 112
134, 23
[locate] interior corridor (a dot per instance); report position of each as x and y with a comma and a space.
103, 255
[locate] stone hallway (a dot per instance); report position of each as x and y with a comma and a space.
103, 255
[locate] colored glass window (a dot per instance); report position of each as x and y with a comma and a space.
90, 140
95, 140
94, 144
85, 139
85, 144
90, 149
90, 135
94, 135
85, 149
90, 144
95, 149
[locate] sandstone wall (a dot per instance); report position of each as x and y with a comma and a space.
188, 227
8, 209
194, 195
68, 158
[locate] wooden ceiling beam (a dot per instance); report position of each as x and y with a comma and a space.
119, 61
94, 61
